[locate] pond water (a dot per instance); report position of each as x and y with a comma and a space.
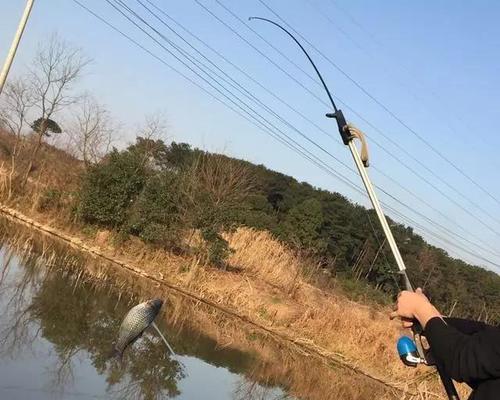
57, 329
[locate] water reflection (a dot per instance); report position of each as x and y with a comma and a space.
58, 325
74, 319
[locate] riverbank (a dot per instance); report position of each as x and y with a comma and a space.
265, 290
263, 359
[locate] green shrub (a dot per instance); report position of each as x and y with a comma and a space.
50, 199
155, 216
218, 249
110, 187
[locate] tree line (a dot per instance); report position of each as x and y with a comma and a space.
162, 192
158, 191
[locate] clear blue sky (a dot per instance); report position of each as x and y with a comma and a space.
435, 64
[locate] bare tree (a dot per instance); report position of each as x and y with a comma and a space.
92, 132
151, 135
155, 127
55, 69
213, 187
17, 101
225, 182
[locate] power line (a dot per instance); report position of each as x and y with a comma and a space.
299, 149
261, 126
337, 27
335, 138
166, 64
412, 222
454, 189
387, 137
228, 10
413, 76
210, 84
234, 31
321, 148
247, 94
385, 108
355, 22
466, 210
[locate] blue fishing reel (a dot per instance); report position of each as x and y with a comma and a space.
407, 350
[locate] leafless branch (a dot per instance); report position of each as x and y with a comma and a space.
92, 132
155, 127
17, 100
56, 68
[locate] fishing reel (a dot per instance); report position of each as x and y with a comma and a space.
413, 353
408, 353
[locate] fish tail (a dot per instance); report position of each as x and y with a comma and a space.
117, 354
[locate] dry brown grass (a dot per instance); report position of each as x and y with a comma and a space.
360, 335
276, 364
269, 289
53, 169
314, 322
258, 254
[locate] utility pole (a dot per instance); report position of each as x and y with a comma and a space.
15, 44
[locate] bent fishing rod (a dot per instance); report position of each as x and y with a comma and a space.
412, 352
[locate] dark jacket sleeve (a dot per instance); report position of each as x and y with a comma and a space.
466, 326
465, 357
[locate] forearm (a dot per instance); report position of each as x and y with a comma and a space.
425, 313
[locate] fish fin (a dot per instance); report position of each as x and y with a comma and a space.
117, 354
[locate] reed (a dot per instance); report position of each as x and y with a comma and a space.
266, 287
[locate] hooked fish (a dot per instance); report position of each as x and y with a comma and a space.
135, 323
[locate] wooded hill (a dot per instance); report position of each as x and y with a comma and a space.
159, 192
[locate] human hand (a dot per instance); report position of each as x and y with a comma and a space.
414, 305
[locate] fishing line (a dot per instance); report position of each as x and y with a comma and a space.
257, 123
415, 349
164, 340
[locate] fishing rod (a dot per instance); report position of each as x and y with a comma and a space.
412, 352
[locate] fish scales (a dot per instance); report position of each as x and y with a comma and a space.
135, 322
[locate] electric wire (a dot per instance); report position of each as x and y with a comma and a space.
464, 209
234, 31
386, 108
260, 103
429, 90
266, 126
334, 137
295, 142
283, 55
299, 132
477, 206
257, 123
97, 16
387, 137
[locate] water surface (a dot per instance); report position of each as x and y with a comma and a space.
58, 324
56, 337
